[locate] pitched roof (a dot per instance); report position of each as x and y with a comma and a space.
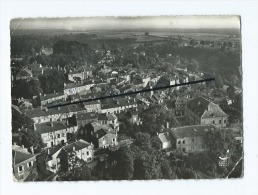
25, 72
20, 154
76, 145
181, 100
215, 112
164, 137
198, 105
107, 116
192, 131
50, 95
50, 127
86, 116
38, 112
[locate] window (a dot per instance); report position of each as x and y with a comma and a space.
179, 142
88, 153
225, 121
20, 168
213, 122
114, 139
29, 164
183, 142
219, 121
193, 140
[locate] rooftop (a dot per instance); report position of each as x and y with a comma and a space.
192, 131
50, 127
76, 145
50, 95
20, 154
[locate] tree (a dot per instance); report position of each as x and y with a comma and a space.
231, 92
143, 140
26, 89
193, 66
219, 141
218, 81
33, 139
233, 79
122, 163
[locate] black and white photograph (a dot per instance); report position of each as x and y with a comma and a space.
126, 98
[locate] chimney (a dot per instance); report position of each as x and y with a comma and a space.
64, 84
35, 128
199, 103
22, 146
32, 150
19, 129
52, 125
167, 125
73, 148
14, 143
48, 151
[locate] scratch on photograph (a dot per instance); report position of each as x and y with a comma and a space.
126, 98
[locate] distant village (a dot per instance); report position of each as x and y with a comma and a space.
88, 130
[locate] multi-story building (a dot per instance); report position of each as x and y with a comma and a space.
201, 111
54, 133
59, 157
180, 105
191, 138
22, 162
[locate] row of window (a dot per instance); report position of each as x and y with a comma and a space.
45, 138
21, 168
214, 122
184, 142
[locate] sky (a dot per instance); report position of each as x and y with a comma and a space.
109, 23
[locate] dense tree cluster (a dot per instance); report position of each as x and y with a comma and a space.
26, 89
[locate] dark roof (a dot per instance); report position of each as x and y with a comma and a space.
100, 133
47, 127
20, 154
86, 116
118, 103
55, 149
107, 117
76, 145
50, 95
75, 107
37, 112
198, 105
123, 116
192, 131
75, 85
25, 72
181, 100
91, 102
